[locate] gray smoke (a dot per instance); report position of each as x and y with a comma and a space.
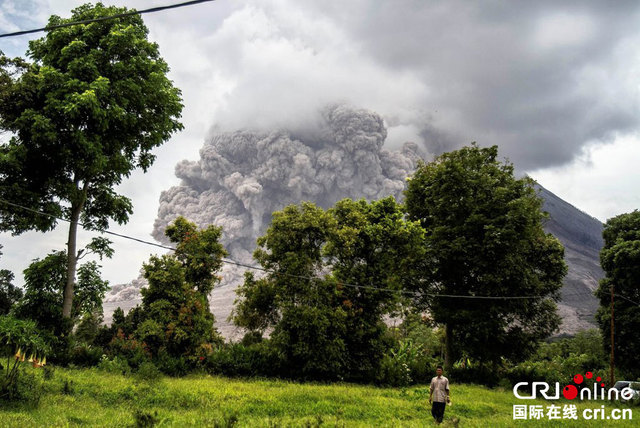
242, 177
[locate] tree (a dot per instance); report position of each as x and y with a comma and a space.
296, 298
484, 237
86, 113
376, 247
322, 295
620, 259
9, 293
45, 281
175, 314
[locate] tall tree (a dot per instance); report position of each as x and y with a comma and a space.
85, 113
296, 298
376, 247
484, 237
175, 316
323, 295
620, 259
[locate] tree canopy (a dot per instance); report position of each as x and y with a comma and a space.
323, 294
484, 237
89, 109
174, 317
620, 259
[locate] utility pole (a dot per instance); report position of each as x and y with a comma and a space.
611, 363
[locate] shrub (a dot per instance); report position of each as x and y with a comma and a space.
148, 371
116, 365
406, 363
15, 384
130, 349
171, 365
236, 359
86, 355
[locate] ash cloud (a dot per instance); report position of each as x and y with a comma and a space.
243, 176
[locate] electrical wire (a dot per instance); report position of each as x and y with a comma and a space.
104, 18
304, 277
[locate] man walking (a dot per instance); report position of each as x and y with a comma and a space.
438, 395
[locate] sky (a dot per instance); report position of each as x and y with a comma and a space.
554, 84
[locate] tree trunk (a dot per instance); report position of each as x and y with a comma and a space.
448, 347
72, 254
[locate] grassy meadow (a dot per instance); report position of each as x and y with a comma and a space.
76, 397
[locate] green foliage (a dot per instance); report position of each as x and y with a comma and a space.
395, 368
148, 372
127, 347
9, 293
84, 114
620, 259
484, 237
559, 360
45, 281
89, 327
115, 365
236, 359
321, 327
84, 355
23, 339
174, 320
374, 246
18, 334
87, 111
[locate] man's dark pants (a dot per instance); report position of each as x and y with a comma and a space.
437, 410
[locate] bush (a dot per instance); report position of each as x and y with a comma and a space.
129, 349
86, 355
406, 363
26, 388
22, 336
116, 365
170, 365
236, 359
393, 372
149, 372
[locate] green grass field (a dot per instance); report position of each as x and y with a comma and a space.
98, 398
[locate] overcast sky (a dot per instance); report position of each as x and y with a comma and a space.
554, 84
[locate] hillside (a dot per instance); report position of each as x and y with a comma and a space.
581, 236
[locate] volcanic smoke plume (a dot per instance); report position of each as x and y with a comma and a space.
243, 176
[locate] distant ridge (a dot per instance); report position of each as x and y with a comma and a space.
581, 235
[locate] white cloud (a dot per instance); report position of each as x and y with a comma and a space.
603, 181
563, 30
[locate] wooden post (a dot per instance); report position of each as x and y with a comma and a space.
611, 363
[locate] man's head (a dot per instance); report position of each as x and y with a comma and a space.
439, 370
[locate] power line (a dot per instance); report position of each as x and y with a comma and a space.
258, 268
104, 18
